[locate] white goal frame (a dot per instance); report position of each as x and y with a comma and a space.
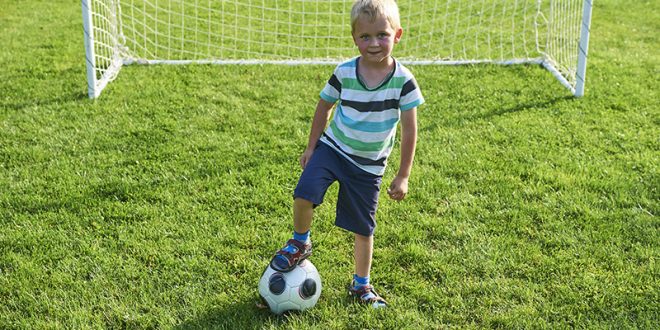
108, 47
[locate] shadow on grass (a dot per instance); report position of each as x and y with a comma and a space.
468, 116
522, 106
239, 315
56, 99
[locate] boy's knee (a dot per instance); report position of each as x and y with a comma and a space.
302, 202
364, 238
303, 197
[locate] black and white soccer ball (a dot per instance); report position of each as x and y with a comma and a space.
296, 290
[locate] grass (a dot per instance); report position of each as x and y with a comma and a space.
159, 204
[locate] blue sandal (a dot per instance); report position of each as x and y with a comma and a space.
292, 254
367, 295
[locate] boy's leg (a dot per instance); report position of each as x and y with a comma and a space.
299, 247
312, 186
356, 208
363, 251
303, 210
360, 287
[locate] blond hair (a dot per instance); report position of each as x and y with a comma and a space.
372, 9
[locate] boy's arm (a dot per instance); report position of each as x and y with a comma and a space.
321, 117
399, 187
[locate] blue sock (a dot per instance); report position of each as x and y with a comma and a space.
360, 281
302, 238
363, 281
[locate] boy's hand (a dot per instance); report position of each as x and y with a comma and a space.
305, 157
398, 189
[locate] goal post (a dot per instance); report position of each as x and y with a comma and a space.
103, 42
551, 33
585, 28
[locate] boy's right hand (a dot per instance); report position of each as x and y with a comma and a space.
305, 157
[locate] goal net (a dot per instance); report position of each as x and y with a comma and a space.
552, 33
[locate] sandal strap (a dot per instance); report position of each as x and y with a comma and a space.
299, 246
293, 258
365, 290
362, 290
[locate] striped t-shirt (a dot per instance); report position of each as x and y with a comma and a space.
364, 124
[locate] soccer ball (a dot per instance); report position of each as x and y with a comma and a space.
298, 289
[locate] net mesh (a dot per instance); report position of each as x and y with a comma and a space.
311, 31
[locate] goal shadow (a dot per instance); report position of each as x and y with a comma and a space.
464, 116
520, 107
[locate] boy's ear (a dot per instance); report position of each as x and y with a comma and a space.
397, 35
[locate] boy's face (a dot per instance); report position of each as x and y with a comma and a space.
375, 40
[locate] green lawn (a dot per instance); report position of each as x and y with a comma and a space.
159, 204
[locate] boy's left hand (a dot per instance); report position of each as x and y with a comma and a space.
398, 188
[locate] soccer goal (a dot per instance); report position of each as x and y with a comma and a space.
551, 33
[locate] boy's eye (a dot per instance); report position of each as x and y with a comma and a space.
364, 37
382, 35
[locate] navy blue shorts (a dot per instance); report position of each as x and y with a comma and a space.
358, 190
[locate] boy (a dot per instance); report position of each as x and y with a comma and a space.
374, 92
